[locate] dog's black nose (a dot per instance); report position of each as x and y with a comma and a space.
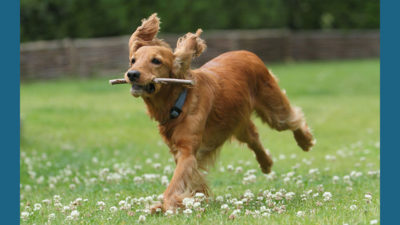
133, 75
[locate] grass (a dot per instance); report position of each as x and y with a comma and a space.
86, 139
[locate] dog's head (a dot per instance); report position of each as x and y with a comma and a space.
153, 58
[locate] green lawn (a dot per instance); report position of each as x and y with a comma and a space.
86, 139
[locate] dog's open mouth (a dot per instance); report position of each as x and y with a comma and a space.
138, 90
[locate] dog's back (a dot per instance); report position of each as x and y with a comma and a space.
243, 84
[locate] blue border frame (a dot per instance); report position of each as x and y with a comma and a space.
390, 111
9, 132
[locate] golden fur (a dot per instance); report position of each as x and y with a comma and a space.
228, 89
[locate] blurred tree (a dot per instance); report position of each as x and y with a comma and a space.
54, 19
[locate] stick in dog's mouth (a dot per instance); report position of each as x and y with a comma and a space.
157, 80
139, 89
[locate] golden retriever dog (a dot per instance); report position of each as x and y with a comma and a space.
196, 121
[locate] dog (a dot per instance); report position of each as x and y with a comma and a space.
196, 121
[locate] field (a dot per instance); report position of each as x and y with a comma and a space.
91, 155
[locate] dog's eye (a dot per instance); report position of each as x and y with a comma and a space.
156, 61
133, 61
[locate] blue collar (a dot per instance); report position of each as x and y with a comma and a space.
177, 108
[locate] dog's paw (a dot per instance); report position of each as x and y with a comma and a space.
304, 138
265, 161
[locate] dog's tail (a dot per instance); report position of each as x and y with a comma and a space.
273, 107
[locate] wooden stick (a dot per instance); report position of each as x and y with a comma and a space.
157, 80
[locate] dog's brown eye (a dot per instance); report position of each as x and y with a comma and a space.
156, 61
133, 61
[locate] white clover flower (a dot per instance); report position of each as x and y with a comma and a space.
373, 222
229, 167
160, 197
368, 196
249, 179
142, 218
349, 189
353, 207
95, 160
56, 198
122, 202
149, 199
266, 214
72, 186
156, 166
248, 194
278, 196
75, 214
289, 195
239, 169
138, 180
335, 179
77, 201
51, 216
147, 211
286, 180
168, 170
300, 214
138, 167
24, 215
58, 205
164, 180
196, 205
37, 207
66, 208
169, 212
320, 187
330, 157
40, 180
224, 207
327, 196
282, 156
271, 176
150, 177
69, 217
148, 161
187, 211
46, 201
199, 196
296, 166
101, 205
219, 198
238, 203
113, 209
188, 202
236, 212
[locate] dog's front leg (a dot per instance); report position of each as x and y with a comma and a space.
186, 181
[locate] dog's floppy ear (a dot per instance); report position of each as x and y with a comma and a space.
146, 34
187, 47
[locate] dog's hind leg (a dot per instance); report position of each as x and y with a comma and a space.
249, 135
274, 108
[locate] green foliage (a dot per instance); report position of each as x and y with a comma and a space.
54, 19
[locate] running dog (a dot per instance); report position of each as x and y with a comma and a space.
196, 121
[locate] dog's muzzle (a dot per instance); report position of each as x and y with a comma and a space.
138, 90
